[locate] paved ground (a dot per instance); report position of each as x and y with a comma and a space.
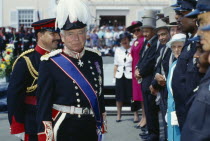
123, 131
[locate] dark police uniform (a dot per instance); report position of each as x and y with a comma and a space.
185, 80
21, 95
196, 127
58, 95
146, 66
186, 76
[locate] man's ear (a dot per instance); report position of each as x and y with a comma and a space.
62, 37
39, 35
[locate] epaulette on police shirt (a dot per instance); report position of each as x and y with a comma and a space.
34, 73
93, 50
51, 54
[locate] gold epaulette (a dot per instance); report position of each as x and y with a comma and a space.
93, 50
31, 69
21, 55
33, 73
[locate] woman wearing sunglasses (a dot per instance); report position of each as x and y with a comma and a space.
137, 98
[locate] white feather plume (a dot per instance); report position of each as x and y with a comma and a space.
74, 9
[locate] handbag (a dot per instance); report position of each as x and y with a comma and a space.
135, 105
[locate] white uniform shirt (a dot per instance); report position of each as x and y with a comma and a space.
124, 62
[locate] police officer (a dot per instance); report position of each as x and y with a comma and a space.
70, 97
23, 84
196, 127
186, 76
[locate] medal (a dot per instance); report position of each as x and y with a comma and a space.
80, 63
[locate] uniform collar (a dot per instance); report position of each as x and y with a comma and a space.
74, 54
41, 50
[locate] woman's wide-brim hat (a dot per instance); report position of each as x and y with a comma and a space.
133, 25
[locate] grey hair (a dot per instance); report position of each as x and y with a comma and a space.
62, 31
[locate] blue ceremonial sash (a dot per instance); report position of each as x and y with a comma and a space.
69, 68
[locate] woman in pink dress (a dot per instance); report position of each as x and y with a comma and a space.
135, 50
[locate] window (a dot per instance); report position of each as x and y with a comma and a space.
25, 17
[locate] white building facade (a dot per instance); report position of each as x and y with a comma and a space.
23, 12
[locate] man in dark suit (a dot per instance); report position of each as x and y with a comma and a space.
158, 86
21, 96
70, 97
145, 71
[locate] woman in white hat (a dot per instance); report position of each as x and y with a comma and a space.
176, 44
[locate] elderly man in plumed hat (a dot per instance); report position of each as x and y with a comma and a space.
21, 94
70, 98
144, 73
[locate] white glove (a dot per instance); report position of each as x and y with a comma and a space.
166, 117
114, 80
21, 136
174, 120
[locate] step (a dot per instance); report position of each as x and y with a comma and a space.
109, 96
112, 110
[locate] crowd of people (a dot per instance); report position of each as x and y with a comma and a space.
160, 65
105, 39
22, 38
167, 70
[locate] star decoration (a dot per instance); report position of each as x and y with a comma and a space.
80, 63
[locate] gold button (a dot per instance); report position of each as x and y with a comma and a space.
96, 85
93, 73
74, 82
78, 100
91, 68
95, 79
78, 105
89, 61
76, 87
77, 94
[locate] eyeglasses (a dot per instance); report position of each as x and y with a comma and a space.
136, 30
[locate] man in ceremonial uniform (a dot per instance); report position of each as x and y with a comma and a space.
70, 97
23, 84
